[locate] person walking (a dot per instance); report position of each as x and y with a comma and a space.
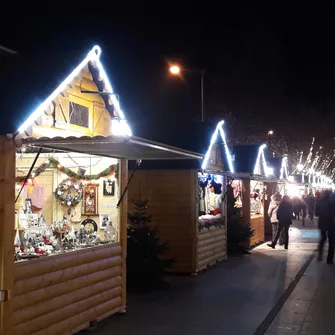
311, 205
324, 209
304, 209
272, 212
284, 216
296, 207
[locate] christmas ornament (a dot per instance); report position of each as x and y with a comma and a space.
69, 192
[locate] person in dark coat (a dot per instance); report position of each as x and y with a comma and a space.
296, 207
303, 209
284, 215
324, 209
311, 205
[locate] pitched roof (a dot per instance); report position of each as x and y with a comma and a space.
193, 136
244, 157
21, 83
196, 137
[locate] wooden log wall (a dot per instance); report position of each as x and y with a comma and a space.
211, 247
172, 203
62, 294
7, 218
257, 224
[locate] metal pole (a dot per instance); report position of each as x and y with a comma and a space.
202, 95
29, 173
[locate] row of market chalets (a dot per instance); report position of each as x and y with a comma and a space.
67, 213
64, 203
188, 199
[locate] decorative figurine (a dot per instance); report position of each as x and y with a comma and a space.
110, 232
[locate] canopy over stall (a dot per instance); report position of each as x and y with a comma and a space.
131, 148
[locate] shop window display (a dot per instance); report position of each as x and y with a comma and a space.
60, 208
256, 197
210, 197
236, 184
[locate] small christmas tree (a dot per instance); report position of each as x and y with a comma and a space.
145, 266
239, 232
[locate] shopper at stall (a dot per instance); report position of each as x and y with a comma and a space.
325, 211
284, 216
272, 212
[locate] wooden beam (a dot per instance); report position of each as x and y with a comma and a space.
246, 202
123, 226
7, 219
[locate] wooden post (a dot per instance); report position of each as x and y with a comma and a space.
7, 220
224, 212
123, 227
246, 201
195, 218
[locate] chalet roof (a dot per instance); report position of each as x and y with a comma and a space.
244, 157
276, 164
194, 136
25, 87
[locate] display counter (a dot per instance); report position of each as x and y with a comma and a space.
53, 294
257, 225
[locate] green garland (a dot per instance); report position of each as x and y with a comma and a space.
54, 163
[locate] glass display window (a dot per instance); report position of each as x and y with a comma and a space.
257, 194
67, 203
210, 198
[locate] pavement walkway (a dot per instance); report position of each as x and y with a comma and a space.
234, 297
310, 308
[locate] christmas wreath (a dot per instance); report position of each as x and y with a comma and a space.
69, 192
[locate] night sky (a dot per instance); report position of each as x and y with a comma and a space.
266, 66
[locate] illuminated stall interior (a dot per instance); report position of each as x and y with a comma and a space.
211, 206
186, 199
65, 172
68, 203
251, 186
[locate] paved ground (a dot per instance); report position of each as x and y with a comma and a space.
310, 309
234, 297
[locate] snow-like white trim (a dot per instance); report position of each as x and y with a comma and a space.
283, 169
94, 56
218, 129
267, 170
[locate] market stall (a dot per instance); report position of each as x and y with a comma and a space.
63, 208
250, 194
187, 204
253, 183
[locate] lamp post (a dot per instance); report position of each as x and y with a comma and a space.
176, 70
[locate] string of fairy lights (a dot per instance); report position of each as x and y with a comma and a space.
317, 167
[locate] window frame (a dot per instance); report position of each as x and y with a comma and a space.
85, 103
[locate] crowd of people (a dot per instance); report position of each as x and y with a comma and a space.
282, 210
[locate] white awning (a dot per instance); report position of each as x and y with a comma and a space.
132, 148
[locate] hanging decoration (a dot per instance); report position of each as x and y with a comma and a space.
69, 192
90, 199
54, 163
204, 179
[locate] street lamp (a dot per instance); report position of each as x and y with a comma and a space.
270, 132
176, 70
